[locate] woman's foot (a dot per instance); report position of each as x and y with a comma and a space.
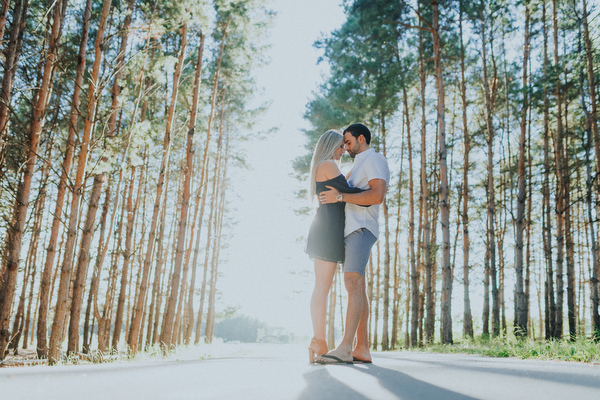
316, 348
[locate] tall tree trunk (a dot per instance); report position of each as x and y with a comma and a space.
491, 203
396, 323
467, 317
424, 203
212, 232
127, 259
167, 327
446, 298
203, 180
414, 273
93, 95
32, 252
104, 320
153, 312
589, 141
385, 342
520, 327
42, 349
185, 201
10, 261
560, 190
593, 132
82, 263
210, 320
549, 285
93, 294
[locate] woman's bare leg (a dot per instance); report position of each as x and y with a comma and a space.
324, 273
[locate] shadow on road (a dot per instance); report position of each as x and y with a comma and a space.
555, 377
320, 384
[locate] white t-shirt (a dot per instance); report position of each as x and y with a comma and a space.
368, 165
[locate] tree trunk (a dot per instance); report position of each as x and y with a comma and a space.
116, 89
11, 57
424, 201
10, 261
93, 294
93, 95
185, 202
385, 342
204, 173
446, 297
491, 204
3, 14
167, 327
396, 323
42, 349
592, 128
127, 258
589, 199
82, 264
520, 327
467, 316
549, 285
560, 194
212, 228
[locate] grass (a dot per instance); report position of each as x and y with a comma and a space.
581, 350
153, 353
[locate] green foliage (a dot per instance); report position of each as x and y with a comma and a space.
582, 350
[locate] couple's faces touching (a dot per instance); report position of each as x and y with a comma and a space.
350, 144
339, 152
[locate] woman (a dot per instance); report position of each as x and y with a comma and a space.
325, 244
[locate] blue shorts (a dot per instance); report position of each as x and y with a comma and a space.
358, 250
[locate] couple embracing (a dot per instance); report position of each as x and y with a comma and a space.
343, 231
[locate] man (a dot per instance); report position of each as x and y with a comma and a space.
370, 172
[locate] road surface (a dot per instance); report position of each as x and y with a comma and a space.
265, 371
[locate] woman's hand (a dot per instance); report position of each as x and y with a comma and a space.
329, 196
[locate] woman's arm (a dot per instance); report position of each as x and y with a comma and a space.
342, 186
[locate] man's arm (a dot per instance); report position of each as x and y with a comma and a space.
373, 195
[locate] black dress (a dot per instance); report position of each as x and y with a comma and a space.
326, 236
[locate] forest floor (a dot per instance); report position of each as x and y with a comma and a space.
271, 371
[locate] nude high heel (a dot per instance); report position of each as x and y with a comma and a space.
317, 348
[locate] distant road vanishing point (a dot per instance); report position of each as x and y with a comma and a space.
265, 371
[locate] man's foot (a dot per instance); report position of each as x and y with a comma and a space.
343, 357
363, 356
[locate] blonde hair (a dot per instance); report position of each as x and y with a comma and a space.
324, 150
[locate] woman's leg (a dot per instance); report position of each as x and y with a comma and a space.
324, 272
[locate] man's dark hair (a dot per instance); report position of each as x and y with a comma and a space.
359, 129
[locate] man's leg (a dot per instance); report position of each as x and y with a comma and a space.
361, 351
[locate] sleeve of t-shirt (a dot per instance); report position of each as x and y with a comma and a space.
378, 168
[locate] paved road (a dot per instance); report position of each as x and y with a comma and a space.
281, 372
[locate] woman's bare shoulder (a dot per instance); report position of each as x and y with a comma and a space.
327, 169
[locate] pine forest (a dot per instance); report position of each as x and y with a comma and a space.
119, 120
487, 114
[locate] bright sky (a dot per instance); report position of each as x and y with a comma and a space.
267, 273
